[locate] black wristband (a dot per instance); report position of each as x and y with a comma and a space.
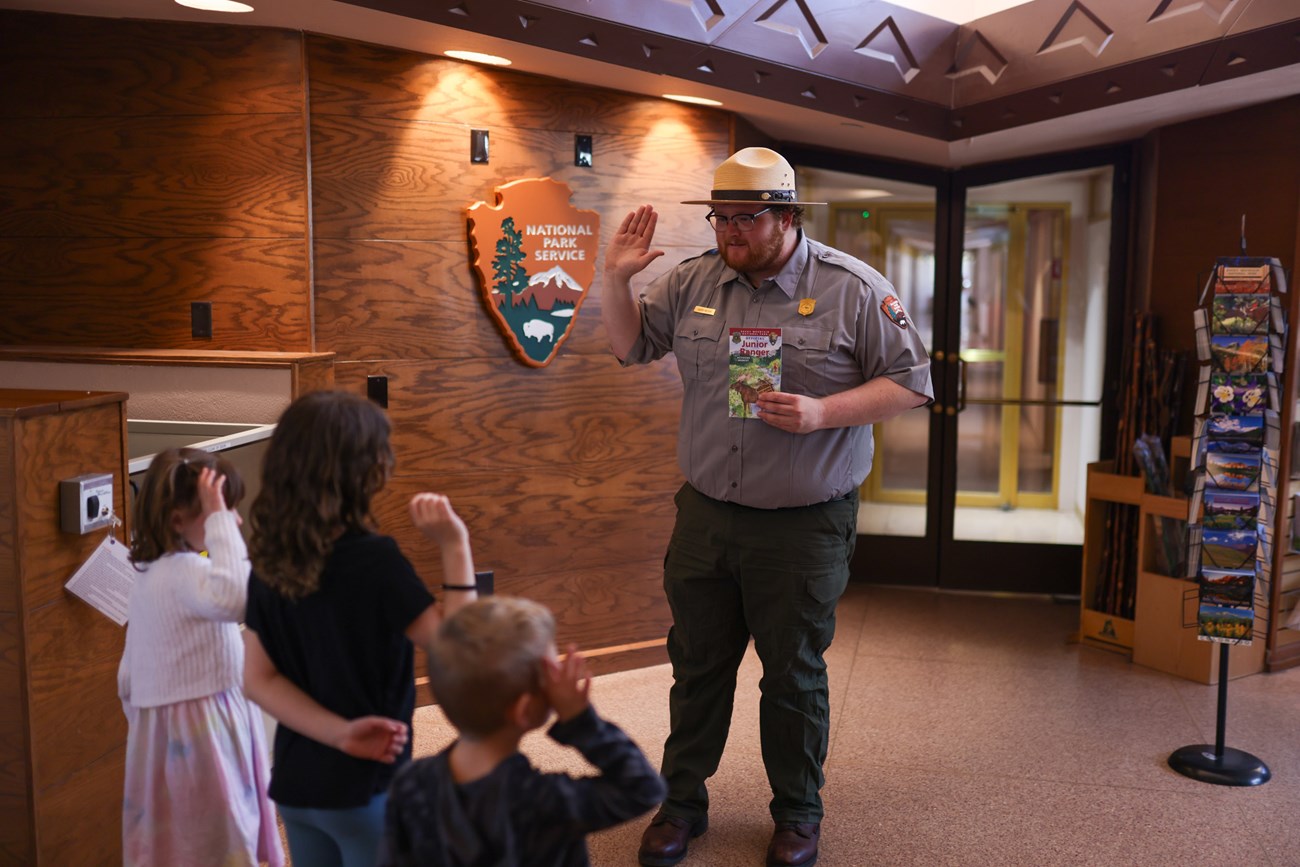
460, 587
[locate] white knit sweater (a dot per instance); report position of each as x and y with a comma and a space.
182, 634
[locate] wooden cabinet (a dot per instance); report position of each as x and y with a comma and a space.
62, 731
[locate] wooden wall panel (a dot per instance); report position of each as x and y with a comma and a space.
1209, 173
136, 293
154, 177
354, 78
548, 519
146, 166
15, 797
579, 411
586, 601
74, 66
80, 818
590, 547
76, 718
380, 178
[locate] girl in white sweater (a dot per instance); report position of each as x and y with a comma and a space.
196, 758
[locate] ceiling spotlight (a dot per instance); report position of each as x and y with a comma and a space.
478, 57
693, 100
216, 5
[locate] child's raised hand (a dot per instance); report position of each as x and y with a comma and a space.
433, 516
566, 683
377, 738
211, 496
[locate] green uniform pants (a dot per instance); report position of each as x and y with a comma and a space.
733, 572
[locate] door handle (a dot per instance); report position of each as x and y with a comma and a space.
961, 382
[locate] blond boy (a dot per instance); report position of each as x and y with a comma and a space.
494, 670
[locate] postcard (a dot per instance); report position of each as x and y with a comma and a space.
1245, 428
1227, 549
1240, 353
1240, 314
1229, 510
1226, 624
1233, 472
1239, 280
1227, 586
1237, 394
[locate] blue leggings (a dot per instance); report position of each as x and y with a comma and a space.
335, 838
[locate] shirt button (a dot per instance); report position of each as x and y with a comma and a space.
733, 484
735, 448
801, 341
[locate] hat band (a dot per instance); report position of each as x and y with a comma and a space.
755, 195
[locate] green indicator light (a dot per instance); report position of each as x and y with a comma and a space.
866, 215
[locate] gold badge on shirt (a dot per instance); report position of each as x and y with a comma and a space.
707, 311
806, 306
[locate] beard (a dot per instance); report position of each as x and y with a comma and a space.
762, 252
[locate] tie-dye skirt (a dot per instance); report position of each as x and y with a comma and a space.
196, 778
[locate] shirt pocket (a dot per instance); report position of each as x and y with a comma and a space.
697, 344
805, 353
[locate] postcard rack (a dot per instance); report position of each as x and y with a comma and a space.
1232, 509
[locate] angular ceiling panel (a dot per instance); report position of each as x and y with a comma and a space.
879, 63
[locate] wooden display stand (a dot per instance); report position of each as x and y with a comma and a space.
62, 731
1099, 628
1164, 637
1160, 635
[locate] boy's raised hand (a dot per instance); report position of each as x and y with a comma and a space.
566, 683
433, 516
374, 737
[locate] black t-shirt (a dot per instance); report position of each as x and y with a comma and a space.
345, 646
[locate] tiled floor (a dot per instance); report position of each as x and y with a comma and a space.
966, 730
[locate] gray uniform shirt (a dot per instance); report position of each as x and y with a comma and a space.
846, 339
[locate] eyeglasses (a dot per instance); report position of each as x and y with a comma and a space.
743, 222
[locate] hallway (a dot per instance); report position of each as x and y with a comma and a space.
966, 730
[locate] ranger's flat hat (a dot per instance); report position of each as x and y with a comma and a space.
754, 175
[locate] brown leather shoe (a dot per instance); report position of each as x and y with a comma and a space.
794, 844
664, 843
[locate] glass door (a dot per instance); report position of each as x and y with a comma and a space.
1012, 275
1035, 293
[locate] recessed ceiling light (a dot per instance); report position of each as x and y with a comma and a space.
864, 194
693, 100
478, 57
216, 5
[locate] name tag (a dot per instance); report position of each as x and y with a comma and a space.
707, 311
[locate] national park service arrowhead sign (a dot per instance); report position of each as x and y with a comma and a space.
535, 258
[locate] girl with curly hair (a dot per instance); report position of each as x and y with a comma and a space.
333, 609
